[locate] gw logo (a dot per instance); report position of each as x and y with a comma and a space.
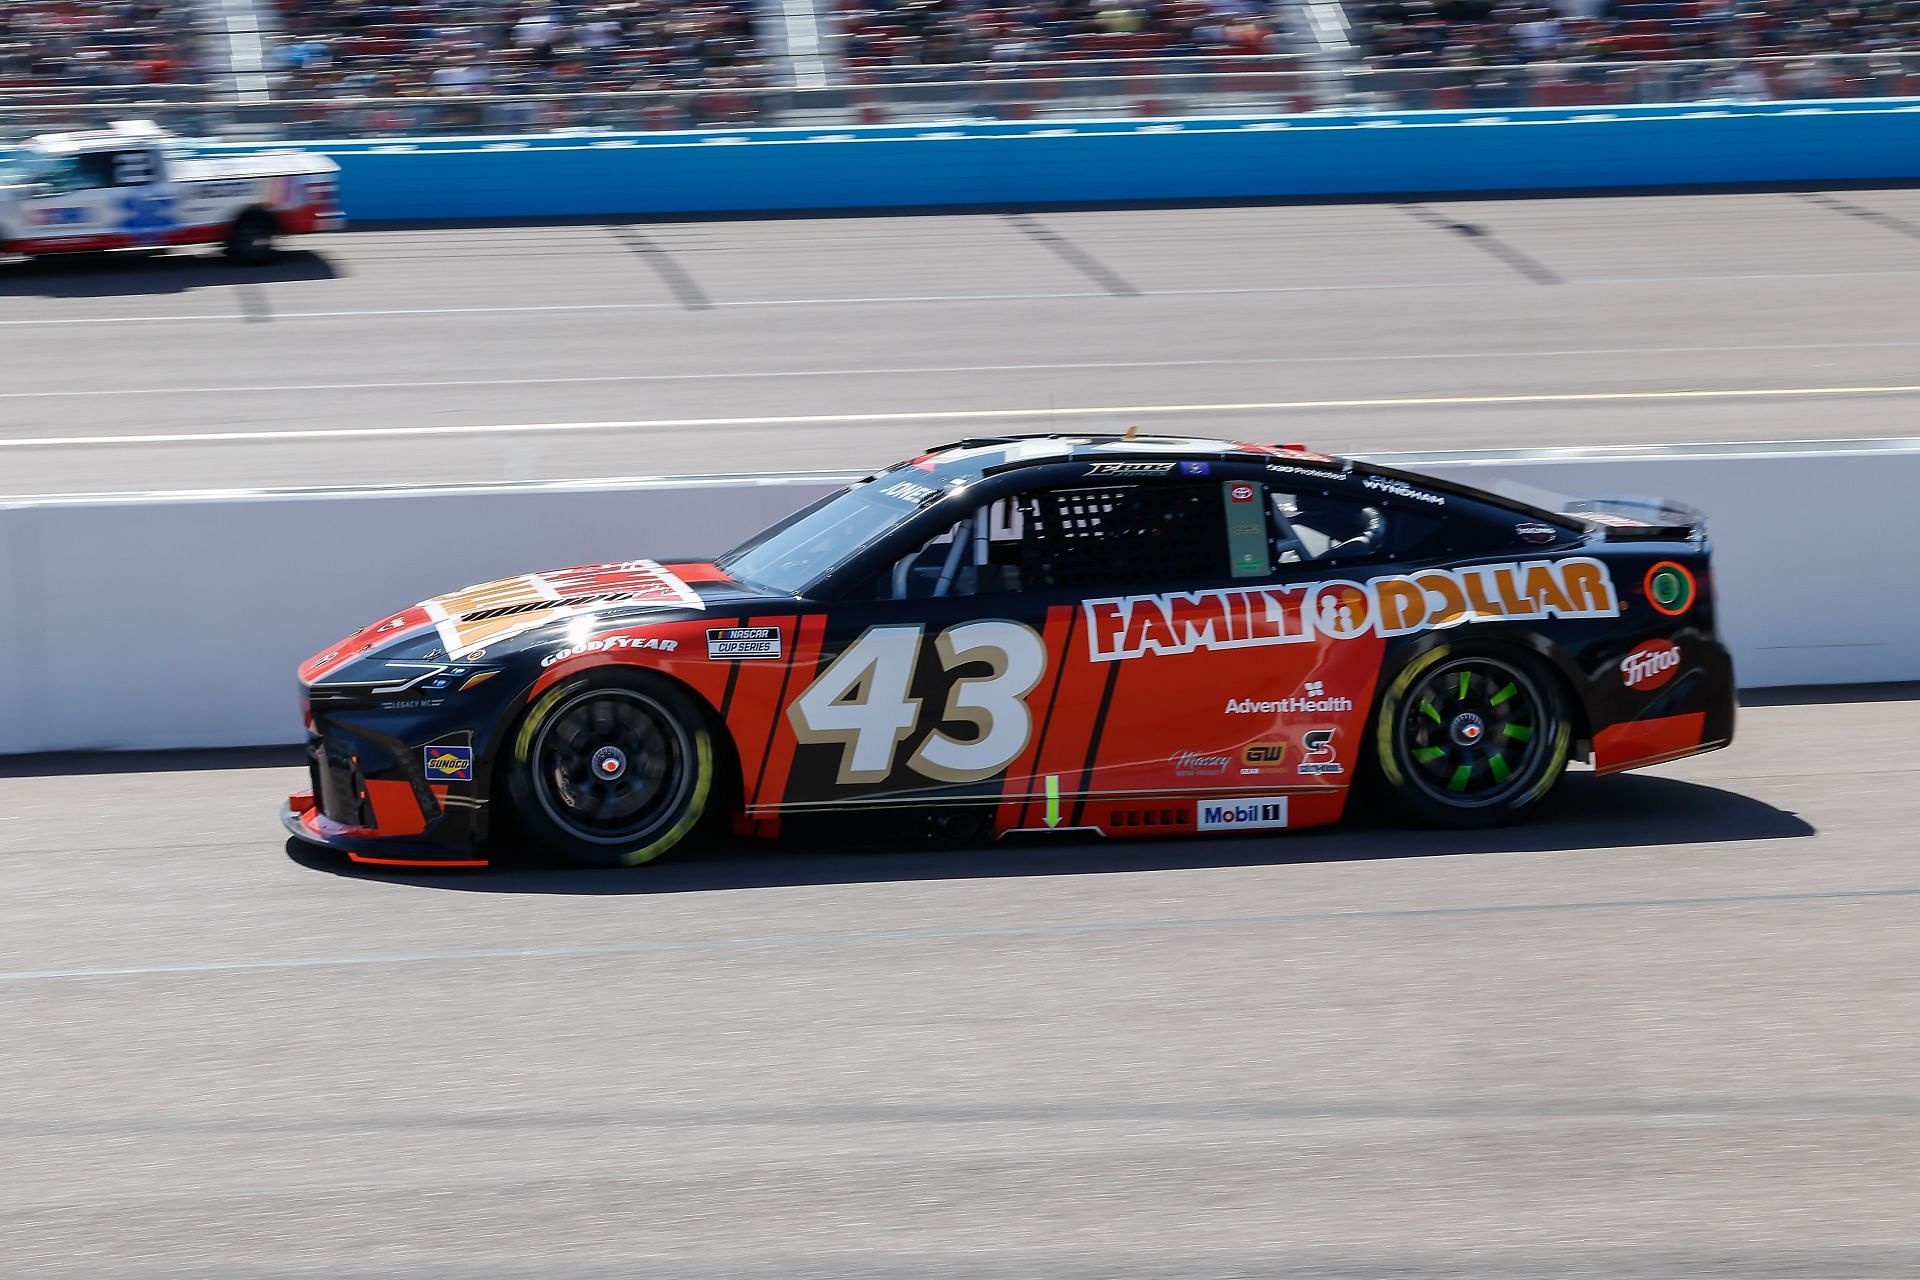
1263, 753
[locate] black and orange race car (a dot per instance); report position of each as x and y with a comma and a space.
1114, 635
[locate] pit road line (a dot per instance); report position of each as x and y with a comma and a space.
917, 370
951, 415
890, 299
950, 935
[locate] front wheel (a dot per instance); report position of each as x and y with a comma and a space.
249, 241
610, 771
1472, 738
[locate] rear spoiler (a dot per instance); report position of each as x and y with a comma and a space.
1627, 518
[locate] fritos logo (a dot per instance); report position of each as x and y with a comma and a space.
1651, 665
1395, 605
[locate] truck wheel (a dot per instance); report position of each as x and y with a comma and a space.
250, 240
1472, 736
611, 770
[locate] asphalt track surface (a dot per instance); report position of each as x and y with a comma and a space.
409, 356
1671, 1029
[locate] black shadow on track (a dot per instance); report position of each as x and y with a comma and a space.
99, 763
1809, 695
133, 272
1587, 813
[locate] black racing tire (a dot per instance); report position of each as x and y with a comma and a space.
611, 769
1472, 735
249, 241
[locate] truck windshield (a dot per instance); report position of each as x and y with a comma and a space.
61, 173
796, 553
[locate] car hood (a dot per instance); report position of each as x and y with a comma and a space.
491, 619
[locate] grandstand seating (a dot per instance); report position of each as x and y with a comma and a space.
97, 50
371, 48
1439, 33
896, 33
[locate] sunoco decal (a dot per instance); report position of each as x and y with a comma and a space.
448, 763
1394, 605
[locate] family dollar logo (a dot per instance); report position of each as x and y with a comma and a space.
1123, 627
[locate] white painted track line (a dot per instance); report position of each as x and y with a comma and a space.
726, 375
227, 317
952, 415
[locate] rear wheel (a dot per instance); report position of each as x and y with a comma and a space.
250, 240
611, 770
1471, 737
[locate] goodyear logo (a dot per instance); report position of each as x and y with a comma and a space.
449, 764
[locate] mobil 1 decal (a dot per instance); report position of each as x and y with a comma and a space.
904, 708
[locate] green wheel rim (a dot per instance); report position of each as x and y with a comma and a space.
1470, 732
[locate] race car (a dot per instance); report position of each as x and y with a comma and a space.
133, 187
1116, 636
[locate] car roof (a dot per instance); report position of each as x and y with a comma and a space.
986, 455
968, 460
122, 133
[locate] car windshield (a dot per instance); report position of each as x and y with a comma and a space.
796, 553
27, 165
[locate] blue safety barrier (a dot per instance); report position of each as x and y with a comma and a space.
1041, 162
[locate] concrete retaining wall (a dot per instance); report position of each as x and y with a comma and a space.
177, 620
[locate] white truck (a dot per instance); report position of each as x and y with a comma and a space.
133, 187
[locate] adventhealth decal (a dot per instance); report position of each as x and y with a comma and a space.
1394, 605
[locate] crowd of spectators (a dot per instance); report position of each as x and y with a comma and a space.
921, 33
376, 49
1443, 33
508, 64
99, 50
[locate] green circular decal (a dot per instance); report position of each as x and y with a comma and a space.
1670, 588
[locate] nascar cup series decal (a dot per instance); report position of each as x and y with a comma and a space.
743, 642
1395, 605
478, 616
